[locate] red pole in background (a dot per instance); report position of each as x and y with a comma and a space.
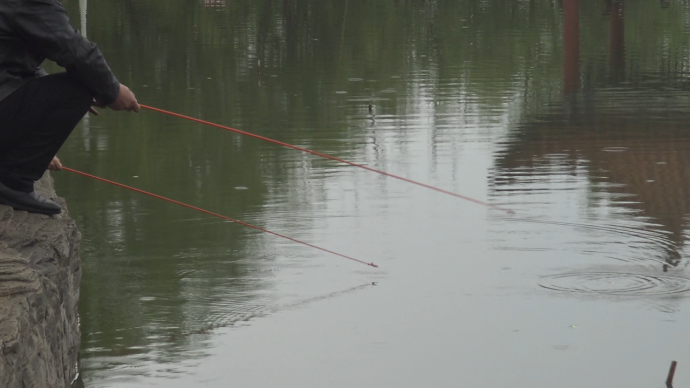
571, 46
617, 40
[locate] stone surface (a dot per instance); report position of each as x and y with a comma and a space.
40, 274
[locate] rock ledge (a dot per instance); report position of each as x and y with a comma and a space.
40, 274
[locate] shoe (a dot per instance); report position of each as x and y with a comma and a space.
30, 202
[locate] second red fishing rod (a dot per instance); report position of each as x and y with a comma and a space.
330, 157
216, 215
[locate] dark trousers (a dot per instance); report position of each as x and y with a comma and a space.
35, 121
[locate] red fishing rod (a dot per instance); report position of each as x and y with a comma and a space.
329, 157
215, 215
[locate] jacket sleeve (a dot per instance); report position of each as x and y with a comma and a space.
46, 28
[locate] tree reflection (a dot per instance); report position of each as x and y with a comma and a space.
638, 113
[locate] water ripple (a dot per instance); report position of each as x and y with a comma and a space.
612, 283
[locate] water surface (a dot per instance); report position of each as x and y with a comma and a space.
572, 115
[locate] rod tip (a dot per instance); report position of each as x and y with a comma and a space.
373, 265
671, 373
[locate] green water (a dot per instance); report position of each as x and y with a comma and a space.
585, 139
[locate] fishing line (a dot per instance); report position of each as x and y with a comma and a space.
216, 215
331, 157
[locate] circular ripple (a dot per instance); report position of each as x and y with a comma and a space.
615, 149
612, 283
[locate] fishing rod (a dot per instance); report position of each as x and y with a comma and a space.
216, 215
509, 211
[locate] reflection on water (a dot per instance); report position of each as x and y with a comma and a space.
246, 313
621, 143
573, 111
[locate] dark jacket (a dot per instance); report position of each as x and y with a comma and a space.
33, 30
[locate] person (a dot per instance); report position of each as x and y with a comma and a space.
39, 111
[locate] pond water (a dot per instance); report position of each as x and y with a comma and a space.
574, 116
